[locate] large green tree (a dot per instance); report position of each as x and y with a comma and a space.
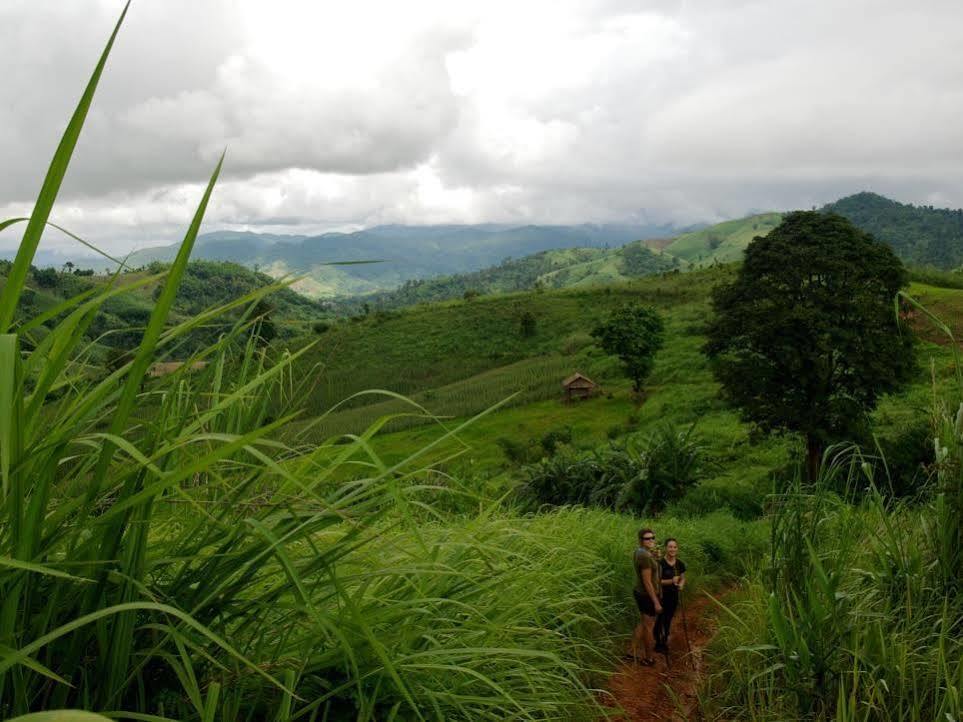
634, 333
805, 338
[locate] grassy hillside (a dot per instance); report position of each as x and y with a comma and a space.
722, 242
461, 358
434, 345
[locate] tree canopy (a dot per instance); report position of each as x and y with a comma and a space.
634, 333
805, 338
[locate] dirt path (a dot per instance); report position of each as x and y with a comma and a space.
642, 691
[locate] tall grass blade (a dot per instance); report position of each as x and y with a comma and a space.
9, 363
17, 276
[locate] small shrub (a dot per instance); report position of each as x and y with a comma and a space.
320, 327
634, 478
673, 462
555, 438
908, 457
743, 500
516, 451
527, 324
46, 277
714, 553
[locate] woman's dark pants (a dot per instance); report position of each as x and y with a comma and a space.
664, 620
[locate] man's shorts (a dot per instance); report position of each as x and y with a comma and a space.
644, 603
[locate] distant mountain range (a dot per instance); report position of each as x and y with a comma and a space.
573, 267
562, 268
418, 263
920, 235
402, 252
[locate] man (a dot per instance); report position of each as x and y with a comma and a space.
647, 596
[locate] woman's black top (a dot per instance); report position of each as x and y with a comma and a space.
669, 571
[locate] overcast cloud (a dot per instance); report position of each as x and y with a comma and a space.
339, 115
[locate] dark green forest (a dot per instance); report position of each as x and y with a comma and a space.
921, 235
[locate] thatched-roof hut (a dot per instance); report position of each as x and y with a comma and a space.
579, 386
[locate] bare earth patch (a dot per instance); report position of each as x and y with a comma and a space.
643, 693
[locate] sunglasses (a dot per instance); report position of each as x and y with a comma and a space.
648, 538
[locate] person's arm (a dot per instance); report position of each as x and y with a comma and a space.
650, 588
681, 576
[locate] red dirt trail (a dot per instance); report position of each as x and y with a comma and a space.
641, 691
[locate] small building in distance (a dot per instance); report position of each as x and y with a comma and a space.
163, 368
579, 386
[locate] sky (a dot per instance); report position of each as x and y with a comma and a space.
341, 115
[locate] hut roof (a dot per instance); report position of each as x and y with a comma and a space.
578, 377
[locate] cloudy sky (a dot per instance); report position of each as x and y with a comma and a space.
343, 114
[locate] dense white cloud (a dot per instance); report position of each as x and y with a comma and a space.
341, 115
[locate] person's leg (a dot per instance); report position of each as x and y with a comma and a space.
668, 612
659, 629
638, 633
648, 638
638, 639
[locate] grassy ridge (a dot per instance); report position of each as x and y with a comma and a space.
723, 242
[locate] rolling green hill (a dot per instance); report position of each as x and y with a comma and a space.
722, 242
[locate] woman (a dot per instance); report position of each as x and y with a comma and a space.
672, 571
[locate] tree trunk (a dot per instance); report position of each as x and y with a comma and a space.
814, 457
